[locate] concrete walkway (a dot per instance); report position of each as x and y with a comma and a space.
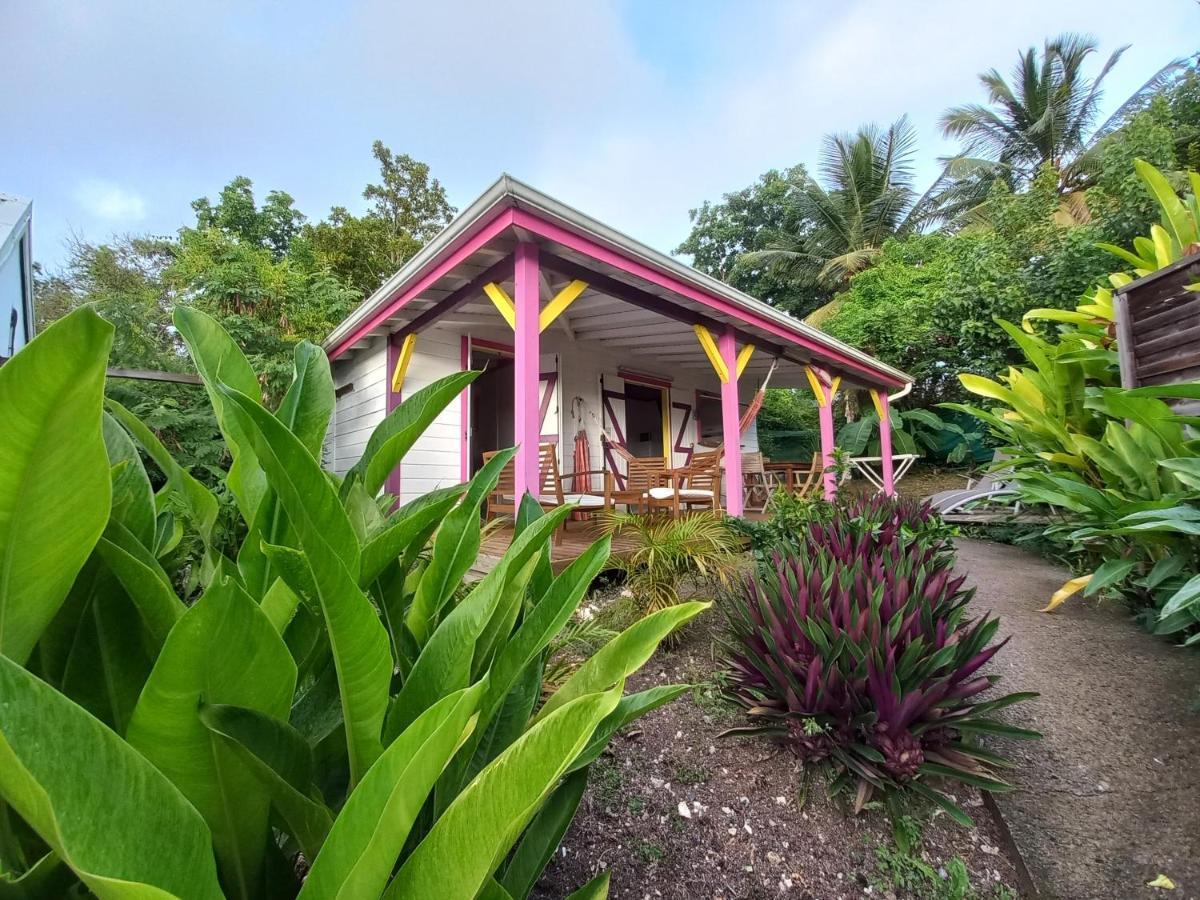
1111, 797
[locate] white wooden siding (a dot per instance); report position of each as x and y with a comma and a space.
357, 412
434, 460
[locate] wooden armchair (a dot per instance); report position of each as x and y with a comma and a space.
757, 482
807, 480
504, 500
698, 484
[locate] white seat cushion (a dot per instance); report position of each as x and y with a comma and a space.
666, 493
583, 501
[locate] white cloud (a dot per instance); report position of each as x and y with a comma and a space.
110, 202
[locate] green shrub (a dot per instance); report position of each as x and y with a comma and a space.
1120, 468
666, 554
856, 651
337, 692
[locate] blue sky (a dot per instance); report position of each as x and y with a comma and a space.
118, 114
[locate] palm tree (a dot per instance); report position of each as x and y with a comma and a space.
1044, 116
867, 198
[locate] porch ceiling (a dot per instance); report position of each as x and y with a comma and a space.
639, 314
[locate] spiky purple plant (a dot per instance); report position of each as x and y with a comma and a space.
854, 646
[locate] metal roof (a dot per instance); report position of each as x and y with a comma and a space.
510, 193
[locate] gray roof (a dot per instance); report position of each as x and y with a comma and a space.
508, 192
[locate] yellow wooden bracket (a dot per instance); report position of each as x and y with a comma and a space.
502, 302
743, 358
710, 350
561, 301
877, 399
402, 361
824, 395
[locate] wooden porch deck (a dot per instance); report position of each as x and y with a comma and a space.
577, 538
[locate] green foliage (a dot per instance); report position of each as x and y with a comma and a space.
669, 553
1044, 115
1118, 465
854, 648
408, 209
868, 197
335, 690
748, 220
913, 431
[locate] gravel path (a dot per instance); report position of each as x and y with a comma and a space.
1111, 797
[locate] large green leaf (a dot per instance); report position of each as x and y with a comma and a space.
132, 495
407, 525
596, 889
224, 650
444, 665
221, 362
853, 436
198, 501
280, 757
366, 840
623, 655
469, 840
107, 662
543, 836
359, 640
308, 404
104, 809
144, 580
630, 708
455, 549
55, 489
395, 435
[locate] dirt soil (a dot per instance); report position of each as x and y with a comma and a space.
748, 831
1110, 798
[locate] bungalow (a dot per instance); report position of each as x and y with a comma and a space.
578, 329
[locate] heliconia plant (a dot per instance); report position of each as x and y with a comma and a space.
335, 711
857, 651
1119, 466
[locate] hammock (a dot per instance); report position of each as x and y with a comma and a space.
756, 403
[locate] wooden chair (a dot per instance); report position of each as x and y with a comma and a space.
757, 482
806, 480
698, 484
504, 500
644, 478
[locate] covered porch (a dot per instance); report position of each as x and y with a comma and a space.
579, 312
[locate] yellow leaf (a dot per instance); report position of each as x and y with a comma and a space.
1162, 881
1071, 587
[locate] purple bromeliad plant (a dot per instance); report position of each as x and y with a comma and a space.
853, 645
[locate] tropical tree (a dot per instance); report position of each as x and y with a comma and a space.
867, 197
754, 218
1045, 115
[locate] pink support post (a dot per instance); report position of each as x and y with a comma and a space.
825, 415
731, 431
464, 415
392, 483
526, 369
885, 444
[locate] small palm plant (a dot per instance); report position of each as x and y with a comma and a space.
670, 553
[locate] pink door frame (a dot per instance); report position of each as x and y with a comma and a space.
731, 430
885, 443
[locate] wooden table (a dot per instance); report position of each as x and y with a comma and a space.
785, 472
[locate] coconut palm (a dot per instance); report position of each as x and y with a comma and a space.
1044, 115
868, 197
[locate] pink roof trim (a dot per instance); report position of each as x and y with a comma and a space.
557, 233
477, 241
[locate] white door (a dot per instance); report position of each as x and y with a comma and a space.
683, 428
549, 389
612, 422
